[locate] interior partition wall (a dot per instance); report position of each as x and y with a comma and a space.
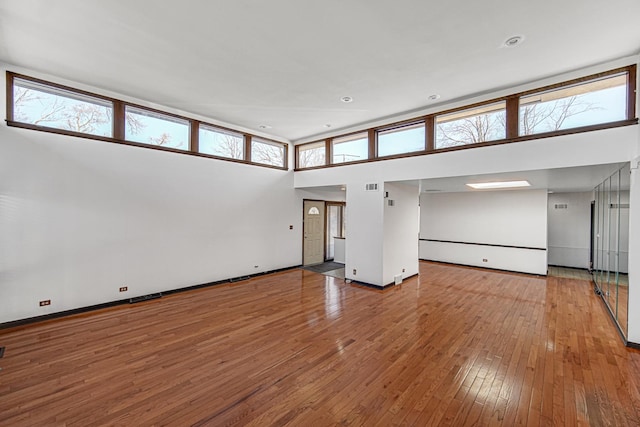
611, 244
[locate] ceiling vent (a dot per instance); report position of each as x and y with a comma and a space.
371, 187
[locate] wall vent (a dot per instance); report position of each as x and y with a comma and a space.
145, 298
371, 187
561, 206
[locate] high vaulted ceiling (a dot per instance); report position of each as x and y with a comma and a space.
287, 63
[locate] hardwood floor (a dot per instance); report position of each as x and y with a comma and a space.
454, 346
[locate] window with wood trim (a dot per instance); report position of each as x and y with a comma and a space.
350, 148
267, 152
221, 142
49, 107
38, 104
153, 128
310, 155
597, 101
403, 139
472, 126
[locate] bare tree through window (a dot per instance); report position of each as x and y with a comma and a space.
268, 154
311, 155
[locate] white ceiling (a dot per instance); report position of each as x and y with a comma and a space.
287, 63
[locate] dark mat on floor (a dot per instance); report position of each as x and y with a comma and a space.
324, 267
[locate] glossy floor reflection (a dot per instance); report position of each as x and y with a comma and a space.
453, 346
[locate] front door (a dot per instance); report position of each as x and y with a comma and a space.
313, 229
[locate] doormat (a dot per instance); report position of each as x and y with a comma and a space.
324, 267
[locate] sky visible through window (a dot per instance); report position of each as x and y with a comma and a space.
39, 105
601, 106
221, 143
404, 140
155, 129
352, 149
267, 153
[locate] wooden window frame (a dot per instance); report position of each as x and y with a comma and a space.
370, 136
327, 144
260, 139
399, 126
222, 129
119, 121
512, 103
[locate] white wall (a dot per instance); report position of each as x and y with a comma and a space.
506, 218
400, 247
81, 218
569, 229
364, 239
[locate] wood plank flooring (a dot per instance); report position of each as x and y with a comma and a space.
455, 346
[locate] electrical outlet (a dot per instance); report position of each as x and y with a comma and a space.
403, 270
485, 260
255, 266
45, 302
354, 271
124, 289
291, 227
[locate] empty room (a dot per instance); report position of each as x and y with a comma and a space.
319, 213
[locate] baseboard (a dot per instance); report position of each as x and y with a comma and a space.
573, 268
59, 314
370, 285
80, 310
483, 268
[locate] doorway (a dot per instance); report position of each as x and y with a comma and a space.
335, 232
323, 231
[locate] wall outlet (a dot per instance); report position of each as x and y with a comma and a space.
354, 271
403, 270
485, 260
255, 266
291, 227
124, 289
45, 302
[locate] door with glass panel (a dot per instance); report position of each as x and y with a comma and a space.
313, 232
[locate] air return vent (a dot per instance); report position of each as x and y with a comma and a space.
145, 298
561, 206
371, 187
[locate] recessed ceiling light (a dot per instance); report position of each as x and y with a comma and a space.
346, 99
513, 41
498, 184
434, 97
264, 127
